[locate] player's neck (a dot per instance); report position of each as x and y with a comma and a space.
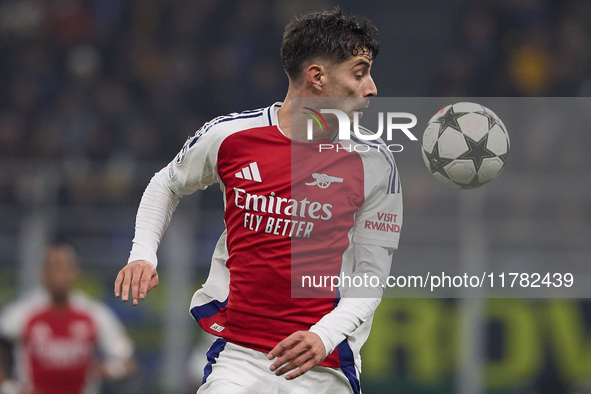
284, 117
293, 121
60, 302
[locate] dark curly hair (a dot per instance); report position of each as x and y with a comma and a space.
328, 34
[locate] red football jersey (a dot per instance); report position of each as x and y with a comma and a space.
59, 348
290, 211
263, 221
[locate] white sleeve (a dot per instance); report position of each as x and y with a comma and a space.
14, 316
194, 168
114, 343
379, 220
351, 312
153, 216
10, 322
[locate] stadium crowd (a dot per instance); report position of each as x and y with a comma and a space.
113, 83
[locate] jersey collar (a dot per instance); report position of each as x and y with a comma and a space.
272, 113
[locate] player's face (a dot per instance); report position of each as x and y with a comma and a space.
351, 78
60, 272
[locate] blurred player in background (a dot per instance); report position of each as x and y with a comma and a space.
65, 342
246, 300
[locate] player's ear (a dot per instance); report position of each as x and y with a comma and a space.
315, 74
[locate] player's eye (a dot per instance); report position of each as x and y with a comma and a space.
359, 73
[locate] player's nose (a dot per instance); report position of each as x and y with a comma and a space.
371, 90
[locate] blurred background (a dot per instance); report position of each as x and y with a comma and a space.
97, 95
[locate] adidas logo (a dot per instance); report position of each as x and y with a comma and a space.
250, 172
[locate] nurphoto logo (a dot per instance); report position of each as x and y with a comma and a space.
360, 135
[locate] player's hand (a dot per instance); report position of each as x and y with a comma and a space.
302, 350
141, 276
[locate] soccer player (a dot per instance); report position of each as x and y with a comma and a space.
284, 201
58, 333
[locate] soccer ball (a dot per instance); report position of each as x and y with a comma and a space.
465, 145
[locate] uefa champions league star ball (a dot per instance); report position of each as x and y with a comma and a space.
465, 145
